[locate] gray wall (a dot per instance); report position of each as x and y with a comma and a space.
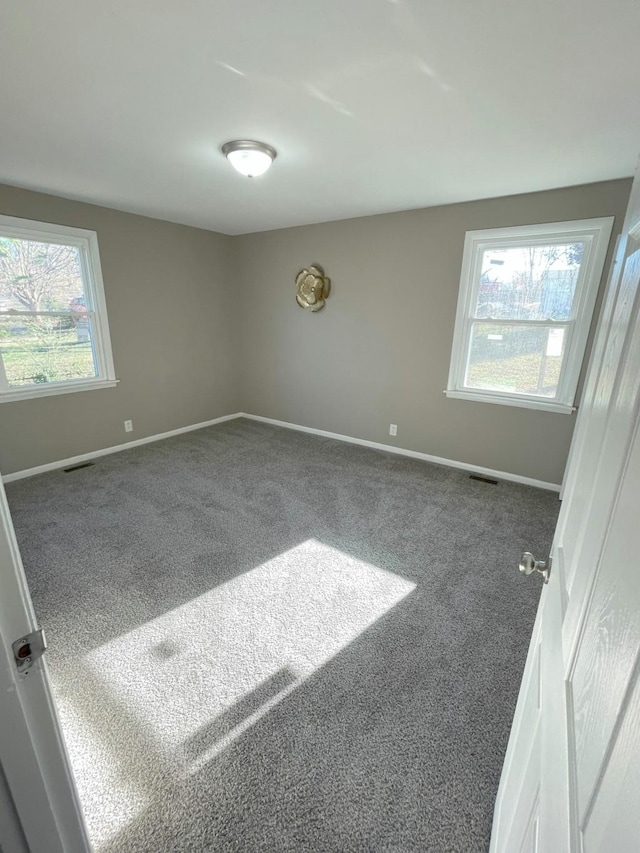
379, 352
204, 325
171, 305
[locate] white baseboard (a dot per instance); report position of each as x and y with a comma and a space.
106, 451
389, 448
414, 454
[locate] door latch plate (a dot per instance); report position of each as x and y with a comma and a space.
27, 650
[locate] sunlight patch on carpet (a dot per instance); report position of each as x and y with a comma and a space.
195, 678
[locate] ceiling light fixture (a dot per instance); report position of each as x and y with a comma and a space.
248, 157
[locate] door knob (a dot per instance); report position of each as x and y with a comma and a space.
529, 564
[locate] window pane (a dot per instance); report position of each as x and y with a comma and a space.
516, 359
37, 350
529, 283
38, 276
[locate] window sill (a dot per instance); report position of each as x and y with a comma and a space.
518, 402
46, 390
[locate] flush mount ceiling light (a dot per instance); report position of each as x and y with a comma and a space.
248, 157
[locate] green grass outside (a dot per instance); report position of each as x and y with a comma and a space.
520, 373
55, 356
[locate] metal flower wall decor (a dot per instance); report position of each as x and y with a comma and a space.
312, 288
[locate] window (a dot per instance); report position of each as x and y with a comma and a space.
54, 334
525, 306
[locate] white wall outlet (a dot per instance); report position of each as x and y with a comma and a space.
393, 429
128, 426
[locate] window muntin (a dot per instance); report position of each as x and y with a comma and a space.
54, 334
524, 310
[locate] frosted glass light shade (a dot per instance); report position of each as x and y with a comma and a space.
249, 158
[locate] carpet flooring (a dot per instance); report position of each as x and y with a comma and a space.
262, 640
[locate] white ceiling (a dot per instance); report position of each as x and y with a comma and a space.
373, 105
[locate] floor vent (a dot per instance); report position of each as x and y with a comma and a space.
77, 467
483, 479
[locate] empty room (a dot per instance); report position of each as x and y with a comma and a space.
319, 427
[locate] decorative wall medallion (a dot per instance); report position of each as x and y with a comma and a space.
312, 288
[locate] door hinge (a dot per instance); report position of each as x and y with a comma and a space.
28, 649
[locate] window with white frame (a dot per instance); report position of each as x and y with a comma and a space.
525, 306
54, 333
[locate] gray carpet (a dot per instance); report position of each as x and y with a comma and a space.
262, 640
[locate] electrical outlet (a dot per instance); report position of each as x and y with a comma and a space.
128, 426
393, 429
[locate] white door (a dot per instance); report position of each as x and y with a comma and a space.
39, 800
571, 778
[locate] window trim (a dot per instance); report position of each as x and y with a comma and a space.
596, 234
87, 243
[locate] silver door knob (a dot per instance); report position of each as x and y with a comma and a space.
529, 565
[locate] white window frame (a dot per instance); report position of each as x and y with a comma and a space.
595, 234
87, 244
